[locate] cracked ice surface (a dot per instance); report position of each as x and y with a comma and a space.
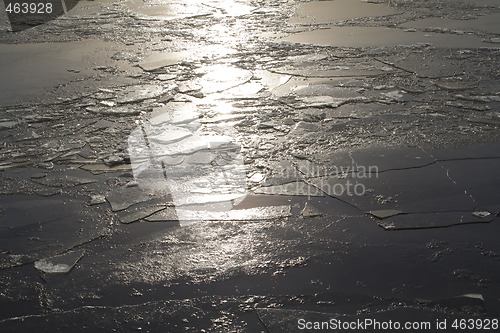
203, 111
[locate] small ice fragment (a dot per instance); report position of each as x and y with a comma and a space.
257, 177
387, 225
494, 40
97, 199
132, 183
38, 175
481, 214
475, 296
107, 103
302, 125
8, 124
63, 263
321, 101
166, 77
394, 95
113, 160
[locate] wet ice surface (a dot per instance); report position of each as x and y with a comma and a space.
338, 10
172, 169
444, 33
375, 37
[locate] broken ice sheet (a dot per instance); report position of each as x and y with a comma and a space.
431, 220
343, 87
168, 214
16, 185
114, 111
248, 90
271, 80
281, 172
166, 77
396, 96
65, 178
336, 68
326, 101
437, 64
166, 133
139, 93
175, 113
134, 214
124, 197
452, 84
323, 87
62, 263
218, 78
312, 57
486, 23
159, 60
100, 168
